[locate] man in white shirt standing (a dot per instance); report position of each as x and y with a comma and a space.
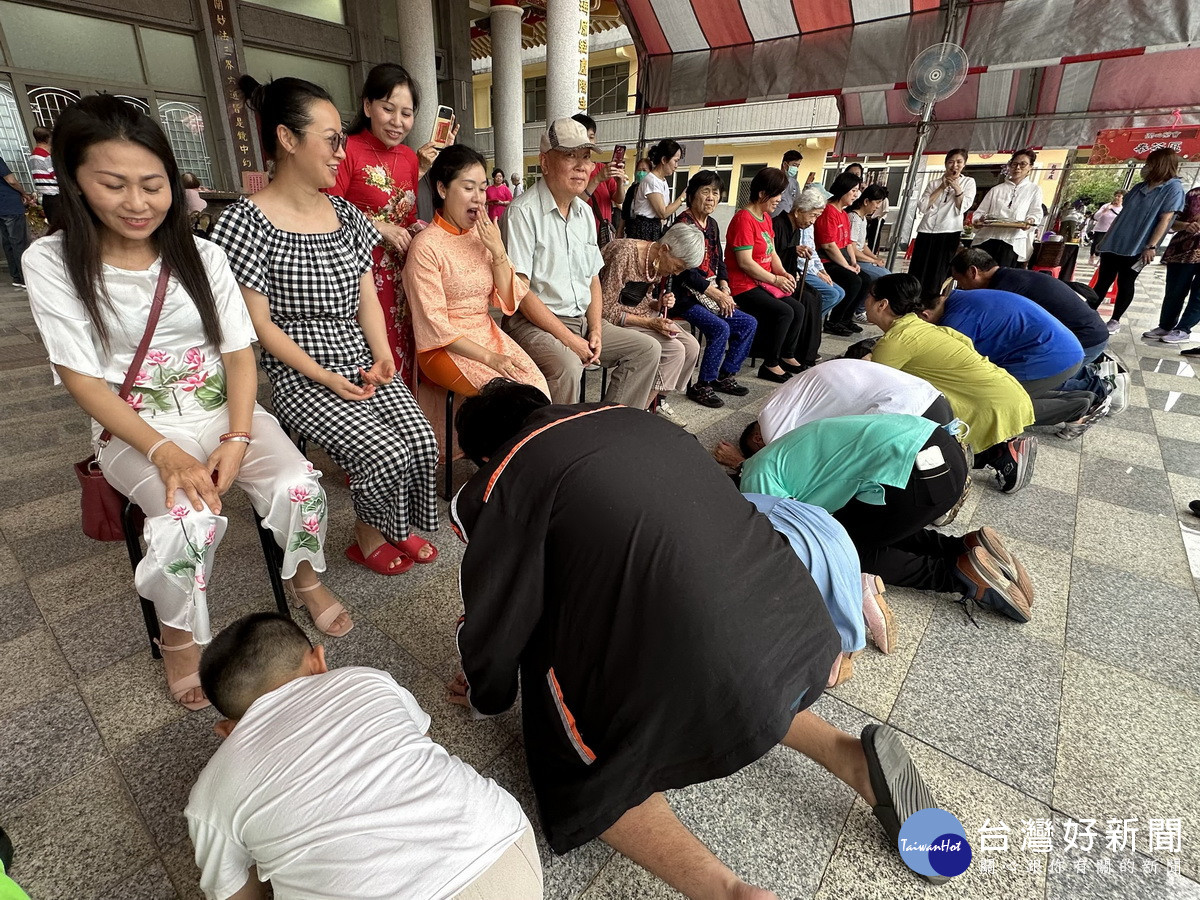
518, 185
1010, 213
327, 786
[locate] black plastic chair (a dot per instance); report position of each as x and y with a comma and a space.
132, 519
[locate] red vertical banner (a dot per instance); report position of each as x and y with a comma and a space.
236, 111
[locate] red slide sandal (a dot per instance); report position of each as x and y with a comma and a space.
413, 545
380, 558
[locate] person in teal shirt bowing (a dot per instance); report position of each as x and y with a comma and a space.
886, 477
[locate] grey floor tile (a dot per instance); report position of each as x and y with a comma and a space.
46, 480
1036, 515
1098, 874
564, 876
476, 741
44, 552
129, 699
878, 678
1134, 418
1001, 713
180, 863
150, 883
1161, 381
1126, 750
101, 635
47, 513
366, 645
31, 667
1050, 571
1153, 548
1180, 456
1129, 446
1173, 425
1117, 480
161, 768
1147, 627
18, 613
46, 742
68, 588
10, 568
422, 621
77, 833
1174, 402
1054, 467
751, 820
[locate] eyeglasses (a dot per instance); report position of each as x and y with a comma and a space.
336, 141
1019, 165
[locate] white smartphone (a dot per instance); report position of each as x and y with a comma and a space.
441, 127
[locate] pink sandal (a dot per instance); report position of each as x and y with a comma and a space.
412, 545
182, 686
325, 619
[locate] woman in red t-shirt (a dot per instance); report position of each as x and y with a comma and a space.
758, 281
379, 176
832, 237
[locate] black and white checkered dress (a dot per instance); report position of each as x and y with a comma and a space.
312, 283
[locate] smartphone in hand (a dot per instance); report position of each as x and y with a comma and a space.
618, 156
441, 127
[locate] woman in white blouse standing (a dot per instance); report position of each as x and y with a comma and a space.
652, 204
189, 428
1015, 206
943, 204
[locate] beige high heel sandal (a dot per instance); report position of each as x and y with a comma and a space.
180, 687
325, 619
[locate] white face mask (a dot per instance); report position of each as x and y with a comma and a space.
792, 170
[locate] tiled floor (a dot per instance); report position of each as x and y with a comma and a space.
1091, 711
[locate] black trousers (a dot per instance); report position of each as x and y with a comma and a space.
939, 411
855, 284
780, 322
931, 257
1001, 252
1118, 268
808, 342
1052, 406
893, 541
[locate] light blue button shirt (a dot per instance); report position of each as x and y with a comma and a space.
559, 256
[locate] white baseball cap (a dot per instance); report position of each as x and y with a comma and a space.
566, 134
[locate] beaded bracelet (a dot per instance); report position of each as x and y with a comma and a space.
232, 435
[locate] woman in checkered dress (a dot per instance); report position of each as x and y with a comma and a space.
303, 262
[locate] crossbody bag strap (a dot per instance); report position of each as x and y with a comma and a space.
160, 293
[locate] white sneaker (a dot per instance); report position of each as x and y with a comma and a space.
861, 318
1119, 398
1154, 333
1177, 336
1113, 326
664, 410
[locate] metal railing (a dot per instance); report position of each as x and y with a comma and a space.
771, 119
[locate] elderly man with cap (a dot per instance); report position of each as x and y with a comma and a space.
551, 239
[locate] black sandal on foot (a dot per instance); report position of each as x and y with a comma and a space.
899, 789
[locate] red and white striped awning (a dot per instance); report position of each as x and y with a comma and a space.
1036, 65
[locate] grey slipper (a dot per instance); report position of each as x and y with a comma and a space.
899, 789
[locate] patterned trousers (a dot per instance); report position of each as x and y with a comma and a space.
180, 542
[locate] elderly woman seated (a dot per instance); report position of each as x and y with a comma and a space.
703, 298
634, 285
455, 270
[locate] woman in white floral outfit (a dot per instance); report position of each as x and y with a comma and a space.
190, 428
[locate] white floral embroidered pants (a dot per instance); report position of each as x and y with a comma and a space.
180, 541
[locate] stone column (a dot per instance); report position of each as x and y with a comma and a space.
567, 24
508, 107
417, 45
